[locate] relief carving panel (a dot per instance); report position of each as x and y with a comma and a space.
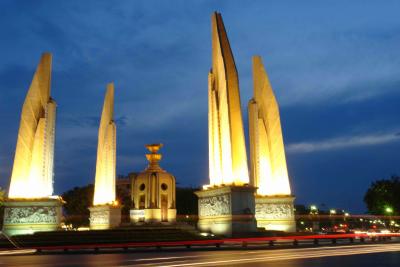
99, 217
29, 215
278, 211
215, 205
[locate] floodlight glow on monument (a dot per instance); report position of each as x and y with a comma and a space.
104, 190
268, 162
32, 174
227, 151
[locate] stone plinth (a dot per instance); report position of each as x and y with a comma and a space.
105, 217
138, 216
26, 216
227, 210
275, 213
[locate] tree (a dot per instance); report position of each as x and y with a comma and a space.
78, 200
383, 196
124, 198
2, 196
186, 201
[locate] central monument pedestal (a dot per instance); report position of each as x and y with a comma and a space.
226, 210
153, 192
104, 217
26, 216
275, 213
166, 216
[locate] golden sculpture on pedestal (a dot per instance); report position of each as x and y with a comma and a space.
153, 192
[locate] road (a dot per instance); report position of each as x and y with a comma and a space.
348, 255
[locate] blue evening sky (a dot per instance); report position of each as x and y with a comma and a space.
334, 66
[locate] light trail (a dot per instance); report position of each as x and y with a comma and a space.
164, 258
281, 255
17, 251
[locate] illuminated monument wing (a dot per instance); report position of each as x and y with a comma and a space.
226, 205
105, 212
104, 187
30, 204
274, 203
227, 149
32, 174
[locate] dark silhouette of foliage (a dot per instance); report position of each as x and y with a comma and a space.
301, 209
78, 200
383, 194
125, 200
186, 201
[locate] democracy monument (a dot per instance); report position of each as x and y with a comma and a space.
105, 212
31, 205
241, 197
233, 201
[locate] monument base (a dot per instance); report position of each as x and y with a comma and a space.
104, 217
275, 213
227, 210
26, 216
140, 216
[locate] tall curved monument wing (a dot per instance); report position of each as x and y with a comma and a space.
104, 190
105, 212
32, 174
229, 194
274, 208
268, 161
227, 150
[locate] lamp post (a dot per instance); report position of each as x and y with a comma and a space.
389, 211
313, 212
332, 214
313, 209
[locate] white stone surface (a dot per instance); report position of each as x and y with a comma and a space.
29, 216
104, 217
227, 210
275, 213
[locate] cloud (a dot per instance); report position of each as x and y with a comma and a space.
343, 143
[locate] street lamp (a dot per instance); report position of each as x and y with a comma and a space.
389, 211
332, 212
314, 211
